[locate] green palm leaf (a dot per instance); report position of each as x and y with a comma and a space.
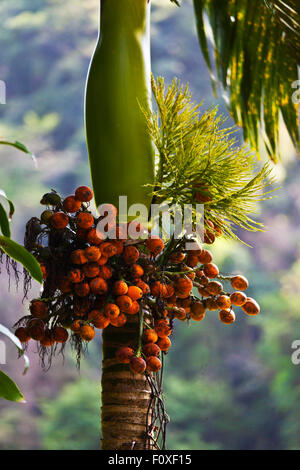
256, 53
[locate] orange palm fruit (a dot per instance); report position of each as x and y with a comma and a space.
95, 237
192, 260
211, 304
91, 269
238, 298
151, 349
87, 332
120, 288
153, 364
155, 245
65, 286
22, 334
227, 317
38, 309
183, 285
101, 321
48, 339
136, 271
75, 276
163, 328
60, 334
119, 245
164, 343
214, 288
180, 313
177, 257
108, 249
211, 270
124, 355
78, 257
143, 286
135, 293
239, 282
36, 332
205, 257
149, 336
106, 272
84, 194
75, 326
111, 311
119, 321
137, 364
124, 302
134, 309
223, 302
70, 204
130, 254
82, 289
251, 307
84, 220
92, 253
98, 286
59, 220
197, 308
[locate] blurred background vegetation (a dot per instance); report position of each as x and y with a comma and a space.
226, 387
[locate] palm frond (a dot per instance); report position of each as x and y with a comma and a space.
200, 161
256, 53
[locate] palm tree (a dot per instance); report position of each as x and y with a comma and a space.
256, 63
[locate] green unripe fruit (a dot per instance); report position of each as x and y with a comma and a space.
51, 199
46, 216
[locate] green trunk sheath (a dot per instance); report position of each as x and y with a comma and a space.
120, 151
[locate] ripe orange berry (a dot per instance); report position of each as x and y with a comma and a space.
211, 270
111, 311
185, 303
227, 317
151, 349
38, 309
205, 257
82, 289
22, 334
136, 271
137, 364
164, 343
91, 269
177, 257
102, 260
98, 286
124, 302
143, 286
203, 292
84, 220
155, 245
120, 288
59, 220
119, 245
108, 249
106, 272
75, 326
93, 314
214, 288
134, 309
149, 336
197, 309
135, 293
95, 237
84, 194
70, 204
202, 278
238, 298
48, 338
211, 304
44, 270
75, 276
197, 317
223, 302
65, 286
78, 257
239, 283
183, 285
163, 328
131, 254
87, 332
209, 237
36, 332
119, 321
153, 364
101, 321
124, 355
251, 307
192, 260
60, 334
180, 313
92, 253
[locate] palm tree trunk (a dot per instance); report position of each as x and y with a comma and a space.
125, 396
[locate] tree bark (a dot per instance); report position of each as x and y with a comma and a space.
125, 396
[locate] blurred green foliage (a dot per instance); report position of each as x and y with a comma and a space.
226, 387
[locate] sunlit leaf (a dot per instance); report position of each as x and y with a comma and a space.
19, 146
4, 222
9, 390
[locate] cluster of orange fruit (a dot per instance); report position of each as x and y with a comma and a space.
92, 281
